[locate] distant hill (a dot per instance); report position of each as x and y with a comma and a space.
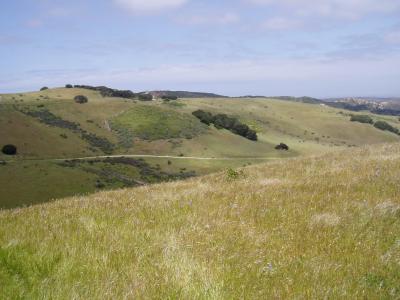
49, 125
381, 106
303, 99
184, 94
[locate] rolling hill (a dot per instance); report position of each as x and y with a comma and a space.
161, 140
316, 227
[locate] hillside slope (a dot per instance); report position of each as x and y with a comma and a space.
49, 125
317, 227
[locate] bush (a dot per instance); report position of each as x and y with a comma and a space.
204, 117
9, 150
145, 97
362, 119
282, 146
68, 86
168, 98
44, 88
81, 99
382, 125
232, 174
223, 121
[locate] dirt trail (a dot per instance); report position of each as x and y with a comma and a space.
145, 156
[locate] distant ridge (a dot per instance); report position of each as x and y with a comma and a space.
185, 94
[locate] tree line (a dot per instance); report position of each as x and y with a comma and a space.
223, 121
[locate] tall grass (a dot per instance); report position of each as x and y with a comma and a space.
320, 227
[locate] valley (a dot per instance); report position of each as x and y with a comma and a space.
50, 129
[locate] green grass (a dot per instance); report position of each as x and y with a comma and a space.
305, 228
151, 122
160, 128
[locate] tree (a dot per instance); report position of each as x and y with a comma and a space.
68, 86
44, 88
204, 117
9, 150
145, 97
223, 121
362, 119
282, 146
382, 125
81, 99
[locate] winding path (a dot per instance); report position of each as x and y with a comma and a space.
145, 156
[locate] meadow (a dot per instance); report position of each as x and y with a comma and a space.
325, 226
48, 125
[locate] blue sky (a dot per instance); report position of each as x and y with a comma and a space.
325, 48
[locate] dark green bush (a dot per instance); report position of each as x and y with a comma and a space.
44, 88
382, 125
81, 99
68, 86
168, 98
282, 146
204, 117
9, 150
223, 121
362, 119
145, 97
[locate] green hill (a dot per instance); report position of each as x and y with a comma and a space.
319, 227
48, 127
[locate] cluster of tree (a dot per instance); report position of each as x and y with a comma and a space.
282, 146
9, 150
168, 98
362, 119
44, 88
145, 97
185, 94
224, 121
108, 92
382, 125
68, 86
81, 99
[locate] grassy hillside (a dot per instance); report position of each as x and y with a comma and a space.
317, 227
48, 125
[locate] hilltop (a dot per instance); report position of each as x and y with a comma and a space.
149, 141
319, 227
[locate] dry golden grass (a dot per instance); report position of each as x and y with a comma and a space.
323, 227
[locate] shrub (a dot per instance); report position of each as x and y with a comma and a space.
232, 174
282, 146
81, 99
44, 88
68, 86
362, 119
204, 117
168, 98
145, 97
221, 121
9, 150
382, 125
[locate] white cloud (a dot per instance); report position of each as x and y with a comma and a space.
392, 37
317, 77
280, 23
149, 6
221, 19
348, 9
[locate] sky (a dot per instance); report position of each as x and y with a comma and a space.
324, 48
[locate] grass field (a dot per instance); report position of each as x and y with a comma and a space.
39, 124
322, 227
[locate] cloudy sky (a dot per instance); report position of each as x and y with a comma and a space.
324, 48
